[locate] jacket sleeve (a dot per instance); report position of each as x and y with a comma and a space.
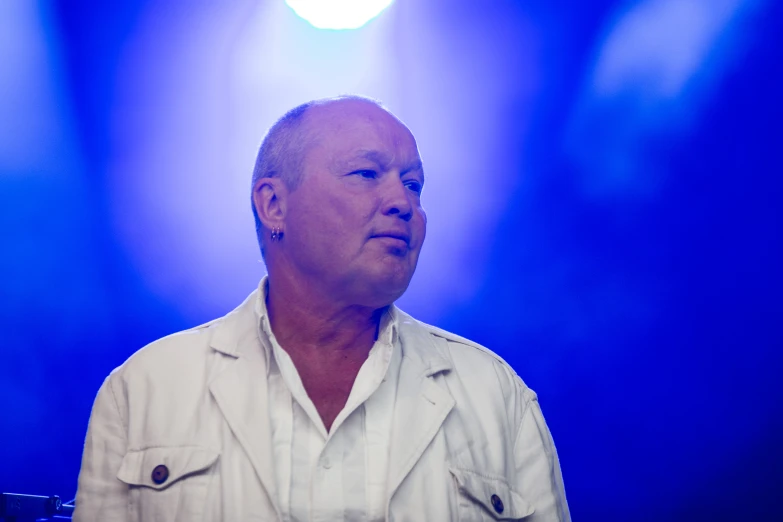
538, 477
101, 496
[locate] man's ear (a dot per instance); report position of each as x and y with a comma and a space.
269, 198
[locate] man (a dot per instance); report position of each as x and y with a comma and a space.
317, 399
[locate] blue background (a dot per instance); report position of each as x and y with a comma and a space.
604, 186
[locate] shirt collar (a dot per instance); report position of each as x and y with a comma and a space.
388, 331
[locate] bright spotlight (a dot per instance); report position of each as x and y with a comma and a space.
338, 14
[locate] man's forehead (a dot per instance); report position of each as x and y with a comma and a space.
350, 130
341, 115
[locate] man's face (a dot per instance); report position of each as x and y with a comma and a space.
355, 223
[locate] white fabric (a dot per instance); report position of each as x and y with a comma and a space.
339, 475
464, 430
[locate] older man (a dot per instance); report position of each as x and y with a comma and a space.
317, 399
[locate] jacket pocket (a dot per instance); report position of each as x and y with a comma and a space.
167, 482
483, 497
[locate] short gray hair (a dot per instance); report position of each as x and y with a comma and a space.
283, 149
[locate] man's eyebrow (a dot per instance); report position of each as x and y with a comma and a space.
417, 165
382, 160
373, 155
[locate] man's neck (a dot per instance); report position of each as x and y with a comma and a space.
305, 320
327, 341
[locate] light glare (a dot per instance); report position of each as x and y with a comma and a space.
338, 14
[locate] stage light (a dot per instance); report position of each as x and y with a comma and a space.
338, 14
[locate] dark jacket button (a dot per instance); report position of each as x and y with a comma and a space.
160, 474
497, 503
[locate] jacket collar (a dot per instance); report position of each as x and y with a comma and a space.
419, 346
252, 311
235, 333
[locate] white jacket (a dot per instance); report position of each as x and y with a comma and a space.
466, 434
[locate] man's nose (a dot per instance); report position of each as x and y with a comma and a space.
397, 199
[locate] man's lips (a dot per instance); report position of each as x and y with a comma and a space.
400, 236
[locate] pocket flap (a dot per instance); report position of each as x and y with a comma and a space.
493, 493
160, 467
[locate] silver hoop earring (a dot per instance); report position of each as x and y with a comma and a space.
277, 234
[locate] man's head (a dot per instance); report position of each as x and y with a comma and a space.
341, 179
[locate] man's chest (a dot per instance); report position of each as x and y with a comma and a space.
345, 475
328, 388
328, 476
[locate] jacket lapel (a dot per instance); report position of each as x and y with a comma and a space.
421, 405
240, 391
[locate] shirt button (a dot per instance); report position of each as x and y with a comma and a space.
496, 503
326, 463
160, 474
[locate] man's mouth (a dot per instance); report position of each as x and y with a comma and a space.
394, 237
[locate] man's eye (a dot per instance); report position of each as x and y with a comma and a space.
367, 174
415, 186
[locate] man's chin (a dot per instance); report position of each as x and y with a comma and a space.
384, 289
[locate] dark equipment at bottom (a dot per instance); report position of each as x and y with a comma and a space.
30, 508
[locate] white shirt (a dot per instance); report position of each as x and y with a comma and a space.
340, 474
